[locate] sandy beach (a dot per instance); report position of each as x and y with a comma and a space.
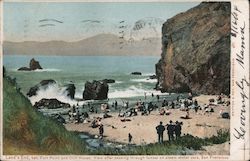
142, 128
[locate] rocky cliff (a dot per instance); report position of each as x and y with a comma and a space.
196, 51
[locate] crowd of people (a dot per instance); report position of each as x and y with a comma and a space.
145, 107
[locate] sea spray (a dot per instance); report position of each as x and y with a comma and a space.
53, 91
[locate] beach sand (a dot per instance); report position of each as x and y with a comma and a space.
142, 128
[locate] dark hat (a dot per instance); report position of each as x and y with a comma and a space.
161, 122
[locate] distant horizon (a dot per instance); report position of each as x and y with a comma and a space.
73, 40
75, 21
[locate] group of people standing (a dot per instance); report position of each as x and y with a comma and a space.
173, 131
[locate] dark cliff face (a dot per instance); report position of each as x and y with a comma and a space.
196, 51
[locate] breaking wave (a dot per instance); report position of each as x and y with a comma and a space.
145, 80
53, 91
132, 91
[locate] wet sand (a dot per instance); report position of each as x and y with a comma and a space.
142, 128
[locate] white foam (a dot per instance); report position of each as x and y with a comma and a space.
145, 80
53, 91
148, 74
133, 91
47, 70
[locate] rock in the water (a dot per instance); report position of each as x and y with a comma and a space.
43, 84
70, 90
109, 80
32, 66
196, 51
136, 73
24, 69
153, 77
51, 104
97, 90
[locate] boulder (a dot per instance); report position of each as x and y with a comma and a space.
196, 51
51, 104
70, 90
136, 73
32, 66
43, 84
153, 77
59, 118
24, 69
96, 90
109, 80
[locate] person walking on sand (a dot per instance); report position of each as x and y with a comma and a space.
170, 129
160, 129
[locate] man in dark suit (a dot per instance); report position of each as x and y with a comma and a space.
160, 129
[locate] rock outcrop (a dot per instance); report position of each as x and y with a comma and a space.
51, 104
32, 66
70, 90
24, 69
96, 90
43, 84
196, 51
109, 80
136, 73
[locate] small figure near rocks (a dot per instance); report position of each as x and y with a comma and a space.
158, 98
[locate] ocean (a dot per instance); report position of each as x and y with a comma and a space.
79, 69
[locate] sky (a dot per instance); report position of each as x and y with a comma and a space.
27, 21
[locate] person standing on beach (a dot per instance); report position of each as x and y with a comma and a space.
170, 129
158, 98
177, 129
160, 129
116, 104
129, 138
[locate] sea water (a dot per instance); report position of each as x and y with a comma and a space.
79, 69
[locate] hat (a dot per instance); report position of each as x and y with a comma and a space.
161, 122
